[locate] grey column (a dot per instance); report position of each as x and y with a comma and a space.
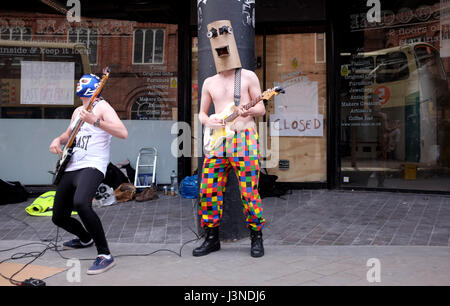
241, 14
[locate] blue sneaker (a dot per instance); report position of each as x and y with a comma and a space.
101, 264
76, 244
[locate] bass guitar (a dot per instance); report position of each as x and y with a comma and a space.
212, 138
67, 152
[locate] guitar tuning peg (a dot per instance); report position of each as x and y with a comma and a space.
280, 90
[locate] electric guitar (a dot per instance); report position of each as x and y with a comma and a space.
212, 138
67, 152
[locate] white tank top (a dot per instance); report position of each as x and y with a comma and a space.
92, 147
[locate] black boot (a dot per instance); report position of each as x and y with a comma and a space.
211, 243
257, 249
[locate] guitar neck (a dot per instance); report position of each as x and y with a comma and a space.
246, 107
73, 134
253, 102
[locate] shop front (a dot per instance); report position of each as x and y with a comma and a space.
366, 102
393, 95
291, 53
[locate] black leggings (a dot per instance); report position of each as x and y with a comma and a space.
75, 191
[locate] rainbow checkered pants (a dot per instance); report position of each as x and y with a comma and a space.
240, 153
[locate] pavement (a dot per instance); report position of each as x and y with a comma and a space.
311, 238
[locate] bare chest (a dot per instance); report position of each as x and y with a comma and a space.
222, 91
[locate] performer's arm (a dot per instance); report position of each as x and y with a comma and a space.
55, 145
109, 120
205, 103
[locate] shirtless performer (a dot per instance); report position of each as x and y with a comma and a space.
241, 152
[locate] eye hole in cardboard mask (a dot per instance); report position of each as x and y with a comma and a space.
212, 33
225, 29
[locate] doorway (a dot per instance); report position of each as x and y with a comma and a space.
297, 63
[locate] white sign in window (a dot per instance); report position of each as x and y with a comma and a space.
48, 83
301, 96
296, 125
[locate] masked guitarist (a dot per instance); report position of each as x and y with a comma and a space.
239, 152
85, 171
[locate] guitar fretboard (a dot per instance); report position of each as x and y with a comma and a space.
235, 114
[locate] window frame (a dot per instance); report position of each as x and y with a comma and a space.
316, 60
144, 31
22, 32
89, 30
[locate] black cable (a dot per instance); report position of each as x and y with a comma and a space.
35, 255
19, 255
22, 245
54, 246
179, 253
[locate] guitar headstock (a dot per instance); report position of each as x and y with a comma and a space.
269, 93
105, 77
106, 70
100, 86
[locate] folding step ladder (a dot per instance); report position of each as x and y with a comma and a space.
146, 168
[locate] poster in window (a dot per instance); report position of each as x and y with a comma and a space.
50, 83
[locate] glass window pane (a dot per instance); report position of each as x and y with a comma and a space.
320, 47
159, 47
38, 79
83, 36
16, 34
73, 35
428, 60
26, 34
148, 49
5, 33
394, 98
392, 67
138, 46
93, 46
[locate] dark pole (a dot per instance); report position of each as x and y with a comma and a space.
241, 14
184, 78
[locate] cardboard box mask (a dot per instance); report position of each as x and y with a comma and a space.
223, 45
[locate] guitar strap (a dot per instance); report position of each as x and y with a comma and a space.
237, 86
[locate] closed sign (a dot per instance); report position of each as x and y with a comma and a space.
296, 125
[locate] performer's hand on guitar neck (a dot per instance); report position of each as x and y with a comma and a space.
88, 116
254, 111
243, 112
55, 145
214, 123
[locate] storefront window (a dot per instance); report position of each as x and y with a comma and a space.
296, 63
394, 95
42, 57
143, 83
